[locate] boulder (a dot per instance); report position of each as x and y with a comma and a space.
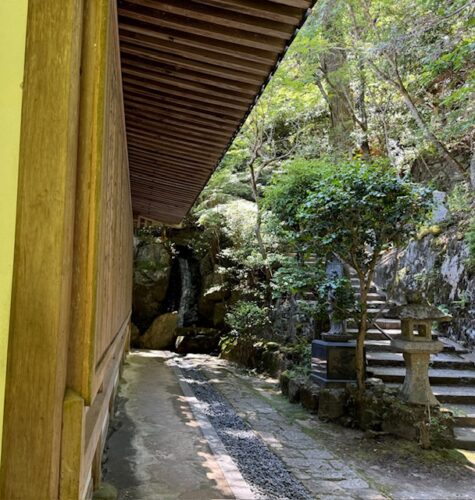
295, 385
331, 404
134, 335
310, 396
215, 288
197, 340
162, 334
284, 380
152, 267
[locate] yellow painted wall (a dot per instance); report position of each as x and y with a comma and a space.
13, 15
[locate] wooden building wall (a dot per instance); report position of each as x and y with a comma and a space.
72, 278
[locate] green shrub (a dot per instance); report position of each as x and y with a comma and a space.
248, 319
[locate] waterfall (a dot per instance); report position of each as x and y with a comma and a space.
190, 289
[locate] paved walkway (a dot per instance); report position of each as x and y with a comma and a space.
166, 447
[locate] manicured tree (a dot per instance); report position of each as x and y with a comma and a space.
357, 210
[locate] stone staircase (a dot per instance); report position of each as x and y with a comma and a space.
452, 372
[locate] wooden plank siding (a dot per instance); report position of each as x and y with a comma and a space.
103, 286
192, 71
73, 257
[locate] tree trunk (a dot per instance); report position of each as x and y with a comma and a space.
472, 170
430, 136
258, 231
360, 341
333, 60
361, 106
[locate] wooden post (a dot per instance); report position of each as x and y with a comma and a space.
40, 310
88, 197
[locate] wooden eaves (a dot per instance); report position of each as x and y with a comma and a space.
192, 71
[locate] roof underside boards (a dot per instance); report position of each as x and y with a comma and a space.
191, 71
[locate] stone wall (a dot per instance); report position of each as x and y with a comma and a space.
435, 266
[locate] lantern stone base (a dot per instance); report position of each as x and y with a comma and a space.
333, 363
416, 388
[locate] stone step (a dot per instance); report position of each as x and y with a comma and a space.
449, 394
378, 345
452, 345
384, 323
464, 414
441, 360
355, 284
444, 376
376, 303
379, 311
465, 438
384, 345
376, 296
375, 331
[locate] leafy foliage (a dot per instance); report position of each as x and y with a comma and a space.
247, 319
358, 210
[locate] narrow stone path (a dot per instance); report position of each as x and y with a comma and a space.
200, 428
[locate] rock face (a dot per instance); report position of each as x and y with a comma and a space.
162, 334
152, 269
435, 268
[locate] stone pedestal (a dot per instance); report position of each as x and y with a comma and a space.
333, 363
416, 388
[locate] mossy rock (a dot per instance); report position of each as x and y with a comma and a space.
105, 492
310, 396
284, 380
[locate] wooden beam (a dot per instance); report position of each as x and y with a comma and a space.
198, 97
191, 82
194, 41
139, 135
170, 62
202, 28
159, 125
171, 153
220, 17
263, 9
187, 104
181, 118
194, 54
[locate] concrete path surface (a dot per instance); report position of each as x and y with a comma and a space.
198, 427
157, 450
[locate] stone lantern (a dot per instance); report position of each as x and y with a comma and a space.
416, 345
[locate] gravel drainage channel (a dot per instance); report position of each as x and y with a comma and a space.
264, 472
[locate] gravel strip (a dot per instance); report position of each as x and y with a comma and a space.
264, 471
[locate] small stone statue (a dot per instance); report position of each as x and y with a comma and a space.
337, 333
